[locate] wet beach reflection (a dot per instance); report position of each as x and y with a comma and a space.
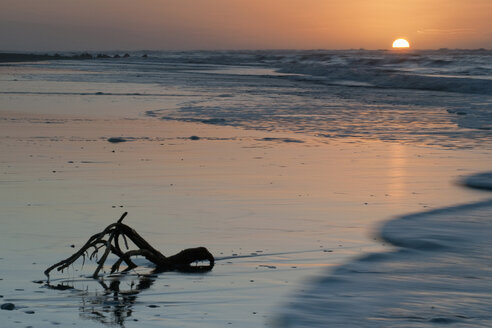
113, 304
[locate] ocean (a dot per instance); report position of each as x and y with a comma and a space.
439, 97
437, 268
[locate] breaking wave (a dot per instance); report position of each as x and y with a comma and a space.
464, 71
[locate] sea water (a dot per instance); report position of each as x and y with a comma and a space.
441, 97
439, 272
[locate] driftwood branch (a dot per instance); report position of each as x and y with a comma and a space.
109, 240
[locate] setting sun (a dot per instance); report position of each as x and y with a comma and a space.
401, 43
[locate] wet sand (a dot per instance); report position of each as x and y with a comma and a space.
274, 208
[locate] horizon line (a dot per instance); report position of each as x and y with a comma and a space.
10, 51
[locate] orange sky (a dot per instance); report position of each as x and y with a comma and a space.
243, 24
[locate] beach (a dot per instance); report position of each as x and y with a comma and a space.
275, 205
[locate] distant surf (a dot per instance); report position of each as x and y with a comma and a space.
451, 70
353, 93
435, 98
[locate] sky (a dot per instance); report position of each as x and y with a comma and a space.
45, 25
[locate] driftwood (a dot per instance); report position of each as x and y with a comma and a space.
109, 240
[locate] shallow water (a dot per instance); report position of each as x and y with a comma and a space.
438, 274
322, 164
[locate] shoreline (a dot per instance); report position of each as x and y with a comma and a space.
438, 256
302, 206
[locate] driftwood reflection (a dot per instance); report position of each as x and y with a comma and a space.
113, 304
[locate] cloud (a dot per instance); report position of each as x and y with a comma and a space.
446, 31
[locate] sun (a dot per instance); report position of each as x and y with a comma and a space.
401, 44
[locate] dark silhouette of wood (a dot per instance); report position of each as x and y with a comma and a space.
109, 240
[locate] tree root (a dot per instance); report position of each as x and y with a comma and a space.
109, 240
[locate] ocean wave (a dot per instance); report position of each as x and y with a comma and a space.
397, 72
464, 71
479, 181
439, 274
391, 80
